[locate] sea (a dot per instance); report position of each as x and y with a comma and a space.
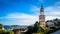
9, 27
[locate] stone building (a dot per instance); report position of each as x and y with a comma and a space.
42, 17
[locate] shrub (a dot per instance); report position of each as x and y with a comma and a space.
6, 32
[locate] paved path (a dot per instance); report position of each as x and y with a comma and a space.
57, 32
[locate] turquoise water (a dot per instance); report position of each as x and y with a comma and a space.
8, 27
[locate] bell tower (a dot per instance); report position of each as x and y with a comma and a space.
42, 17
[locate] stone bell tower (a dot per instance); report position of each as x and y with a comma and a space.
42, 17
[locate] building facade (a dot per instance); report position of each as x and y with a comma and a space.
50, 23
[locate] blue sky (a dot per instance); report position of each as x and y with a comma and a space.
26, 12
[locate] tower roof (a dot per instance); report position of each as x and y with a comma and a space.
41, 6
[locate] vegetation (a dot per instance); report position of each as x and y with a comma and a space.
0, 25
36, 29
6, 32
55, 28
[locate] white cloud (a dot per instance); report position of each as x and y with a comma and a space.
55, 13
52, 17
25, 19
51, 12
18, 15
57, 3
34, 9
21, 18
48, 10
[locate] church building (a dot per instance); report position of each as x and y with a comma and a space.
42, 17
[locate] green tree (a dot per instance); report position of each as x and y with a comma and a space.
37, 27
59, 22
34, 29
29, 30
0, 25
